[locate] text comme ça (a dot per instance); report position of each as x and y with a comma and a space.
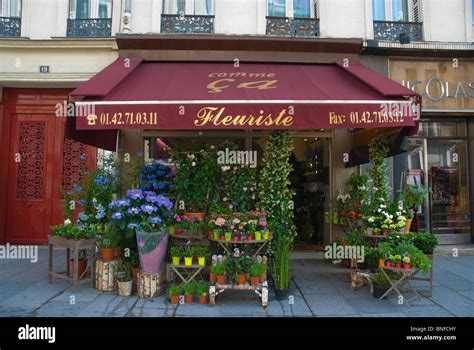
215, 116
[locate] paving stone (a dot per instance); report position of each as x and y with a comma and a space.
299, 308
453, 302
151, 312
197, 310
328, 304
59, 309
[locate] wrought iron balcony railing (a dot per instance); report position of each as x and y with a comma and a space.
285, 26
89, 27
10, 26
385, 30
187, 24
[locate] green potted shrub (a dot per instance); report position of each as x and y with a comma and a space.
188, 256
212, 275
380, 284
256, 272
174, 293
412, 198
124, 278
424, 241
107, 242
220, 270
281, 267
189, 290
176, 253
203, 292
200, 253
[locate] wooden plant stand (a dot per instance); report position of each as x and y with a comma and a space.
187, 273
75, 246
149, 285
261, 290
396, 286
105, 275
244, 245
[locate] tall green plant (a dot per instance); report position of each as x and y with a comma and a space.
378, 152
275, 198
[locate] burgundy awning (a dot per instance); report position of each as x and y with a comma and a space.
132, 94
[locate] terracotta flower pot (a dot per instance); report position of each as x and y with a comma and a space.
203, 299
174, 299
212, 277
381, 262
107, 253
188, 299
262, 278
254, 280
241, 278
117, 252
220, 279
81, 267
199, 216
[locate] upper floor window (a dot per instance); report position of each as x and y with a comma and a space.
397, 20
292, 18
188, 7
10, 17
292, 8
187, 16
89, 18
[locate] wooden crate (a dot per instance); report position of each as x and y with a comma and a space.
105, 275
150, 285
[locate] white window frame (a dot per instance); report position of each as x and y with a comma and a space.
94, 13
290, 11
168, 7
411, 10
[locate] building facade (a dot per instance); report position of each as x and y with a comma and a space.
402, 39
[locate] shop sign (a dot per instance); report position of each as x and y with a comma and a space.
442, 84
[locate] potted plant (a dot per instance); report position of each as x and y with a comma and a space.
108, 243
200, 253
188, 255
174, 293
228, 236
144, 214
203, 292
424, 241
281, 268
256, 272
176, 253
220, 271
412, 198
389, 261
212, 275
406, 262
397, 259
81, 263
189, 290
380, 284
124, 278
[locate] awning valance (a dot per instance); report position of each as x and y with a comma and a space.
131, 94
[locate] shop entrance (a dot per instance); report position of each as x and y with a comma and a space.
310, 179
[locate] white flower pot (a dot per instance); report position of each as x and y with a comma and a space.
125, 288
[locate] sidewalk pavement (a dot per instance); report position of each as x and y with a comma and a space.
319, 289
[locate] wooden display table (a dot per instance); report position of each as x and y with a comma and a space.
187, 273
395, 286
244, 245
261, 290
75, 246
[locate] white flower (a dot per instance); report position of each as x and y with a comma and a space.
379, 210
67, 222
224, 199
236, 221
212, 146
245, 189
193, 164
191, 156
225, 168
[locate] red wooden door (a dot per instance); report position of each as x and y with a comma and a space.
30, 175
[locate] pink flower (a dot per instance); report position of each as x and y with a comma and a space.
220, 221
178, 219
231, 227
141, 244
235, 230
241, 227
262, 223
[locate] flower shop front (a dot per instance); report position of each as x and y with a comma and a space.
216, 149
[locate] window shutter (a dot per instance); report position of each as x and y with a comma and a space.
316, 8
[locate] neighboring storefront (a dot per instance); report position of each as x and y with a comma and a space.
439, 157
139, 105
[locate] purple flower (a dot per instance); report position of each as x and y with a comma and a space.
155, 220
141, 244
146, 208
135, 194
132, 225
117, 216
133, 210
81, 202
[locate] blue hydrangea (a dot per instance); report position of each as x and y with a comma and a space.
117, 216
